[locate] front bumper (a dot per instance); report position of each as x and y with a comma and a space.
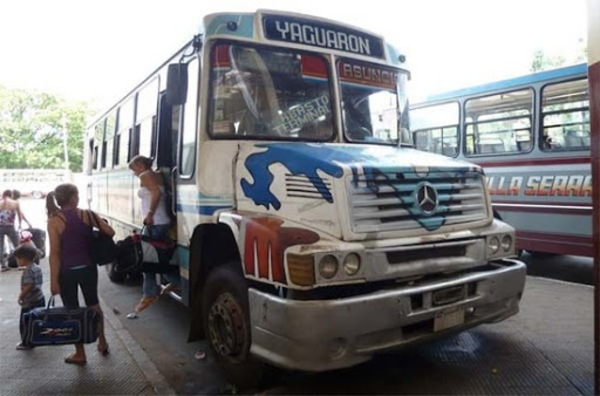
329, 334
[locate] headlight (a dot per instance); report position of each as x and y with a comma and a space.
328, 266
494, 245
506, 243
352, 263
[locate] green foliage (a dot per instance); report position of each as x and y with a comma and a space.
541, 61
32, 126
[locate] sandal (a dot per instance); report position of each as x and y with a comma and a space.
72, 360
103, 351
144, 303
23, 347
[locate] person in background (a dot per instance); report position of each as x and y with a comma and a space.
157, 224
31, 295
16, 195
9, 211
71, 265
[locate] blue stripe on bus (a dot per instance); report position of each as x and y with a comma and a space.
201, 209
573, 71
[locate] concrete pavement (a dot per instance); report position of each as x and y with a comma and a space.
127, 370
547, 349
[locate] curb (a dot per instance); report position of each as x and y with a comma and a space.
151, 372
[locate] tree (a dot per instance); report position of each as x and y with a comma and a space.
32, 127
541, 61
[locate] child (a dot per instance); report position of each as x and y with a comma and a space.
31, 295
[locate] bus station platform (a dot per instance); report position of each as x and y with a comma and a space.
127, 370
546, 349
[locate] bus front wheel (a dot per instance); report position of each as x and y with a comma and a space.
226, 321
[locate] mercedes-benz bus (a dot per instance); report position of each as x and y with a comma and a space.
310, 234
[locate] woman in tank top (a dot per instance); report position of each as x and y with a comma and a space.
71, 265
157, 224
9, 212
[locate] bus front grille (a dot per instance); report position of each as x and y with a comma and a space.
398, 201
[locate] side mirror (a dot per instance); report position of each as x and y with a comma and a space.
177, 82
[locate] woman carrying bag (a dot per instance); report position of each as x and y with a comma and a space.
71, 265
157, 224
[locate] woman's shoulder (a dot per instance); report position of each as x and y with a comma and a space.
151, 177
9, 203
57, 218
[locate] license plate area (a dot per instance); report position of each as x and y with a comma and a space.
448, 295
448, 318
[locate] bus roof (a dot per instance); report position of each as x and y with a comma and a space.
312, 32
575, 70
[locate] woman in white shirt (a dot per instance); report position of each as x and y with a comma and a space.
157, 221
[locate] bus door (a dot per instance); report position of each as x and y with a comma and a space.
184, 129
166, 154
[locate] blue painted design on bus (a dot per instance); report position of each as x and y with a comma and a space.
377, 164
201, 209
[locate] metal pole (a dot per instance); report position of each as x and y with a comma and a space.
65, 133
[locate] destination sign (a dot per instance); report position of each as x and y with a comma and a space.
322, 34
364, 74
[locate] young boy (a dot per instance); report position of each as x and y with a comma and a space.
31, 295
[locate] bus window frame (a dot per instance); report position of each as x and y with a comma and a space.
183, 109
143, 116
542, 143
459, 138
211, 102
530, 116
358, 116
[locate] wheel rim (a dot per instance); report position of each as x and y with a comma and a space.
227, 327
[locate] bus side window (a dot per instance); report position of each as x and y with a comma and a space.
188, 133
436, 128
124, 120
145, 118
566, 116
500, 123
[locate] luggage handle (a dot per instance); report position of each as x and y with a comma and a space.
51, 305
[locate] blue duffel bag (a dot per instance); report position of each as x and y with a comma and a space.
52, 325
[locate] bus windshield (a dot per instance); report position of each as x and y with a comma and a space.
374, 103
263, 93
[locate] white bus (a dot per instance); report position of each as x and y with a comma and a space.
310, 235
531, 135
34, 183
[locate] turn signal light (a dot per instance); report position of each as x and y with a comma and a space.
301, 269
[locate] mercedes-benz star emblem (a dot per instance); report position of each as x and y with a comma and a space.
427, 198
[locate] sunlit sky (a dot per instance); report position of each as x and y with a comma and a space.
98, 50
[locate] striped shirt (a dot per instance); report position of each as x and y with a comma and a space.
32, 275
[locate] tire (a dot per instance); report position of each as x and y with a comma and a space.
114, 276
226, 319
37, 194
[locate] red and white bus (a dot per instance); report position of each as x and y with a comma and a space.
531, 135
